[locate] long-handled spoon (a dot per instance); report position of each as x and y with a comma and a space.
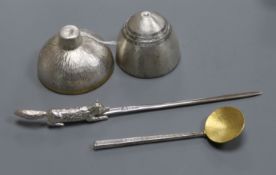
98, 112
223, 125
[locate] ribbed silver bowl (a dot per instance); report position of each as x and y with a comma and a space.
147, 46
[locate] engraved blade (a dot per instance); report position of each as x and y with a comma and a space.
181, 103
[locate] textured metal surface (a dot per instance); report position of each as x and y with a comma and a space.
57, 117
74, 61
147, 46
226, 45
98, 112
223, 125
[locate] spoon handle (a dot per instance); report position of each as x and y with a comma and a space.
114, 143
182, 103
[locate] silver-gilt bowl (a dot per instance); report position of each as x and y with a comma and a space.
74, 61
147, 46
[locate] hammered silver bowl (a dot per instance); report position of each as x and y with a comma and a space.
74, 61
147, 46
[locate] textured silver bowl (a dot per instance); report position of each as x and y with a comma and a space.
147, 46
74, 61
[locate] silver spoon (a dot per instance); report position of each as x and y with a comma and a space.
222, 126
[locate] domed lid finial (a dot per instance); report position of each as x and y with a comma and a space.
69, 37
146, 26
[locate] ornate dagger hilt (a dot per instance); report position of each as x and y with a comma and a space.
57, 117
98, 112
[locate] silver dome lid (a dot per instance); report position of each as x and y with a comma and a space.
74, 61
146, 27
147, 46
